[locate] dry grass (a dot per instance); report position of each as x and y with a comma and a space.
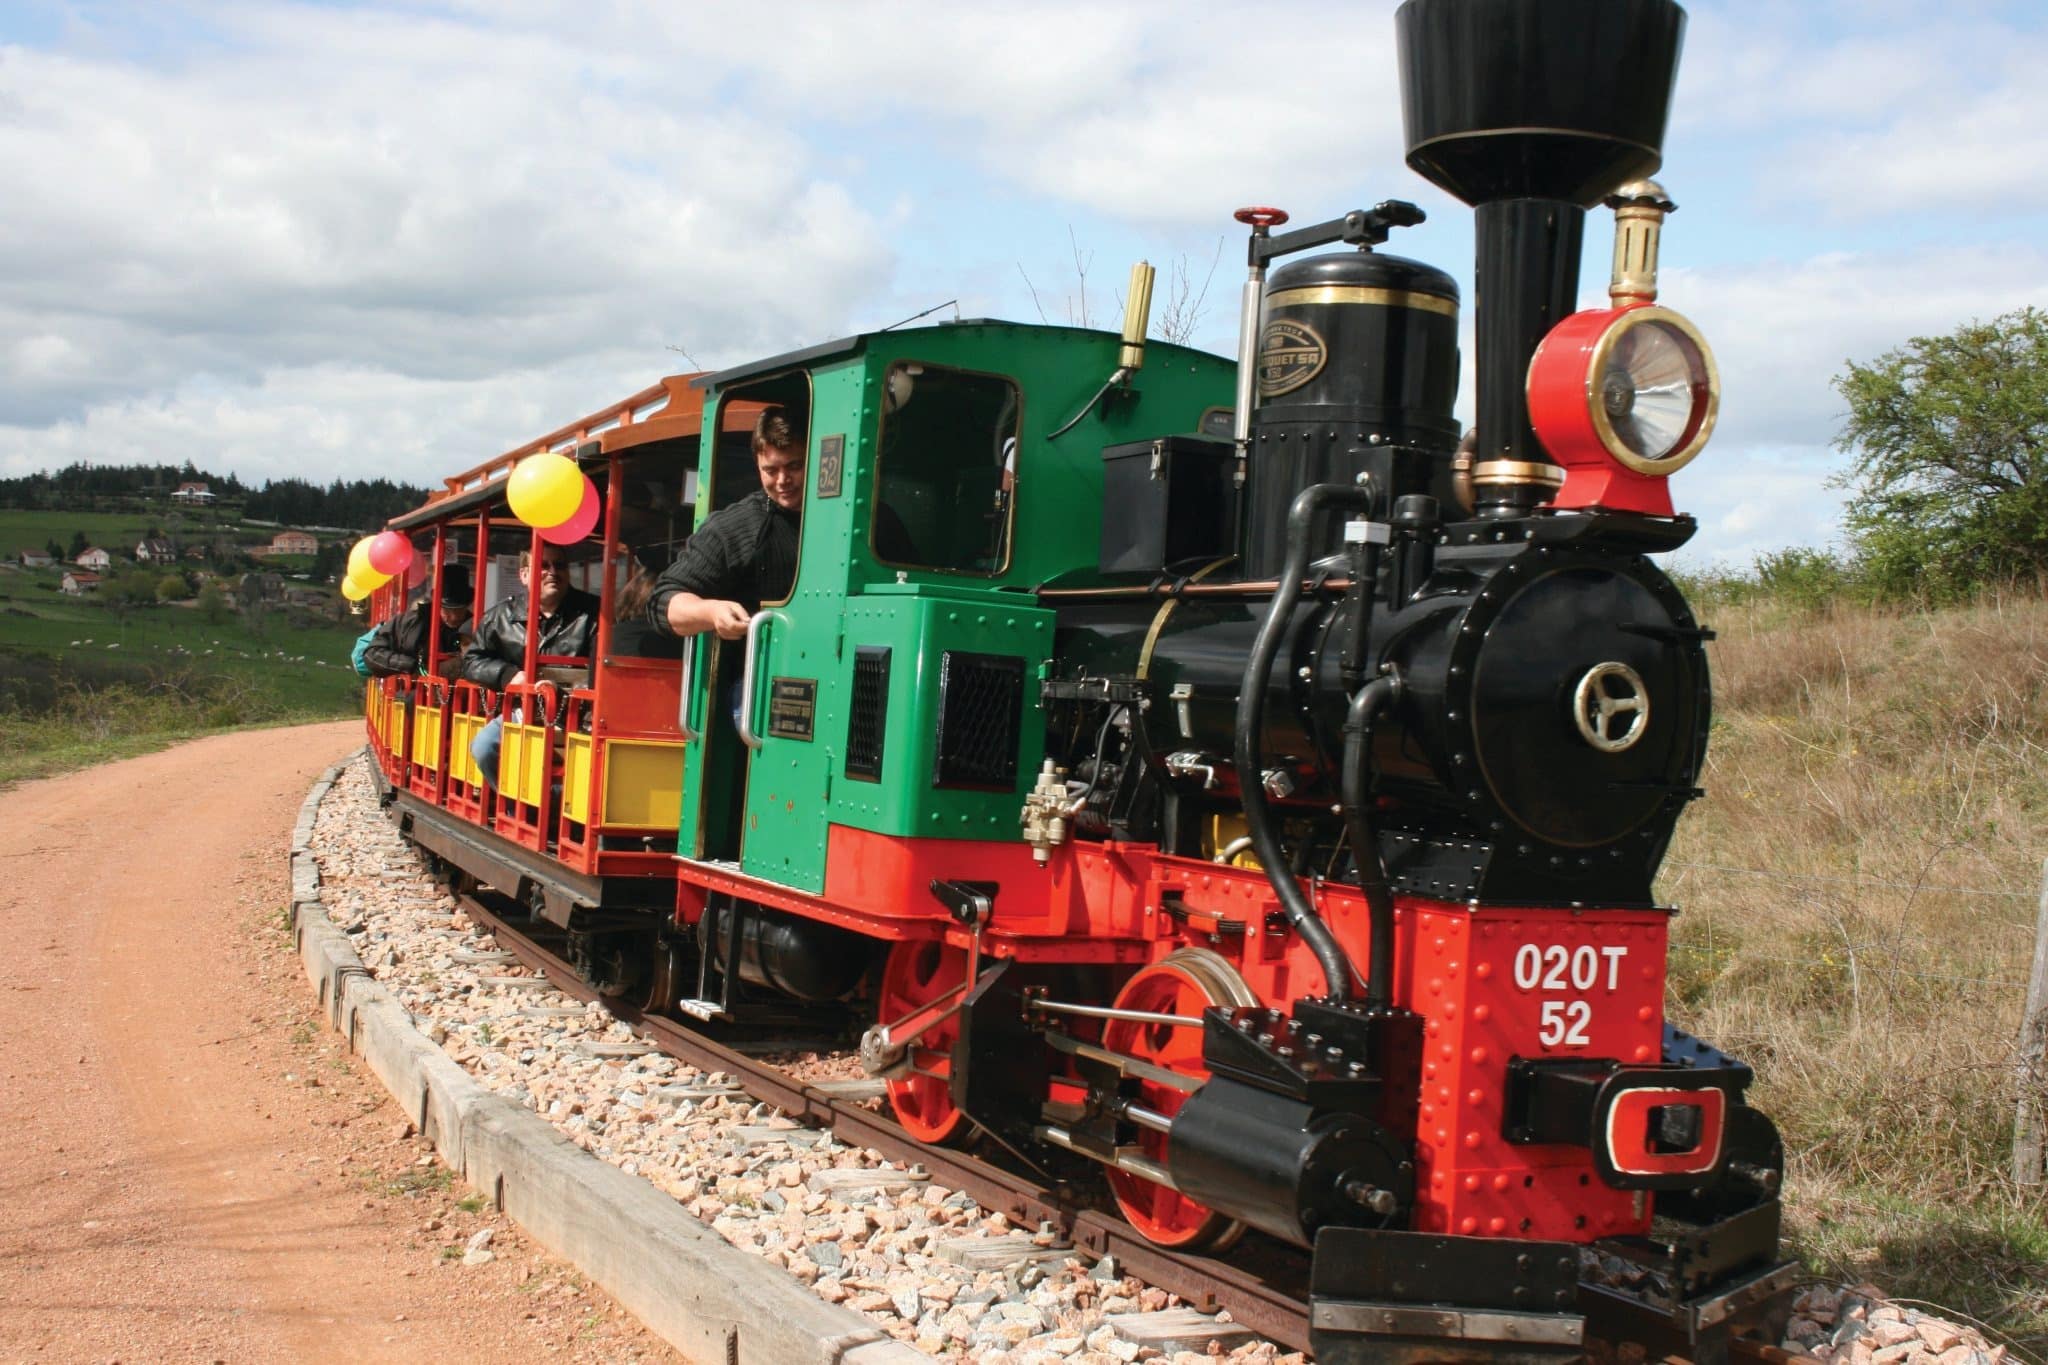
1858, 896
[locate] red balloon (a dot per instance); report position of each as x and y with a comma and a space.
581, 523
390, 553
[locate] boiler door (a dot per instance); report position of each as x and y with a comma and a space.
1589, 705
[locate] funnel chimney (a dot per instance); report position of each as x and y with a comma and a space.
1531, 111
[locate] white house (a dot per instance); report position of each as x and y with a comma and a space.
95, 559
192, 492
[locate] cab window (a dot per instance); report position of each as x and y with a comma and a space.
947, 464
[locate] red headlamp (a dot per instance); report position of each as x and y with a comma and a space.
1622, 398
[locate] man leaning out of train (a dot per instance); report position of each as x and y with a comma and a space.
744, 554
398, 648
568, 628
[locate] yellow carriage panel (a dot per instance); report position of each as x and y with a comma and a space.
643, 783
522, 763
576, 762
426, 737
462, 732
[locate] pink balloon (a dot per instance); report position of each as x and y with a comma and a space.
390, 553
579, 525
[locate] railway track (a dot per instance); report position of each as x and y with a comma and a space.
1256, 1289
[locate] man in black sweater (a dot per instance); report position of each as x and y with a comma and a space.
744, 554
399, 647
496, 657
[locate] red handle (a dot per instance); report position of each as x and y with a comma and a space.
1260, 217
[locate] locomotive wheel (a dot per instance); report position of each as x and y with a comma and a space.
611, 962
1184, 982
914, 975
667, 973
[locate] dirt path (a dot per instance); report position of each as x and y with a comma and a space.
192, 1167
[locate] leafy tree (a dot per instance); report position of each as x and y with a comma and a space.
213, 604
123, 592
1952, 431
172, 587
79, 545
330, 561
55, 549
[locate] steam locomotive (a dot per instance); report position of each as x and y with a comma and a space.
1221, 774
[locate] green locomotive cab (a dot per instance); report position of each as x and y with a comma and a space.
895, 692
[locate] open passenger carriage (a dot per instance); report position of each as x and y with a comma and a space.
581, 826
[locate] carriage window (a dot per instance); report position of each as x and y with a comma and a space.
947, 465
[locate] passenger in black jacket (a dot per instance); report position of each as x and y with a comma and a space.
400, 646
568, 624
495, 658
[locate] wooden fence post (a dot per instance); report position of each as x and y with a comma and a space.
2031, 1060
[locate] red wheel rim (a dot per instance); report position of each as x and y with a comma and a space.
1174, 985
915, 974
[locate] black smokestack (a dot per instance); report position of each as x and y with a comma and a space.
1531, 111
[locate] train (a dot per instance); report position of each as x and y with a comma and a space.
1227, 775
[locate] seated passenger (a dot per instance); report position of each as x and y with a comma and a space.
398, 649
495, 658
632, 635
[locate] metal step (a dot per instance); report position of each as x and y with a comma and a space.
706, 1010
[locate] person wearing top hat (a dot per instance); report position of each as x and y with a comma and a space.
400, 644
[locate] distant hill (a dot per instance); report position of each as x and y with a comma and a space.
357, 504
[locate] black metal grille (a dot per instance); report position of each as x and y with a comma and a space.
981, 704
870, 709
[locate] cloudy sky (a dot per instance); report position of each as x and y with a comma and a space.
330, 239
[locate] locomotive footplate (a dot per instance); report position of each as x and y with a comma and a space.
1387, 1297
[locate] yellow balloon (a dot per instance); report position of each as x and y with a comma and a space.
545, 490
361, 570
352, 590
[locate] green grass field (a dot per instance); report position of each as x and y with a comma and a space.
312, 657
116, 532
82, 683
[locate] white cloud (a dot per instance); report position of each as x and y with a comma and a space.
1927, 115
1754, 500
326, 421
1150, 114
400, 198
285, 238
1782, 330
